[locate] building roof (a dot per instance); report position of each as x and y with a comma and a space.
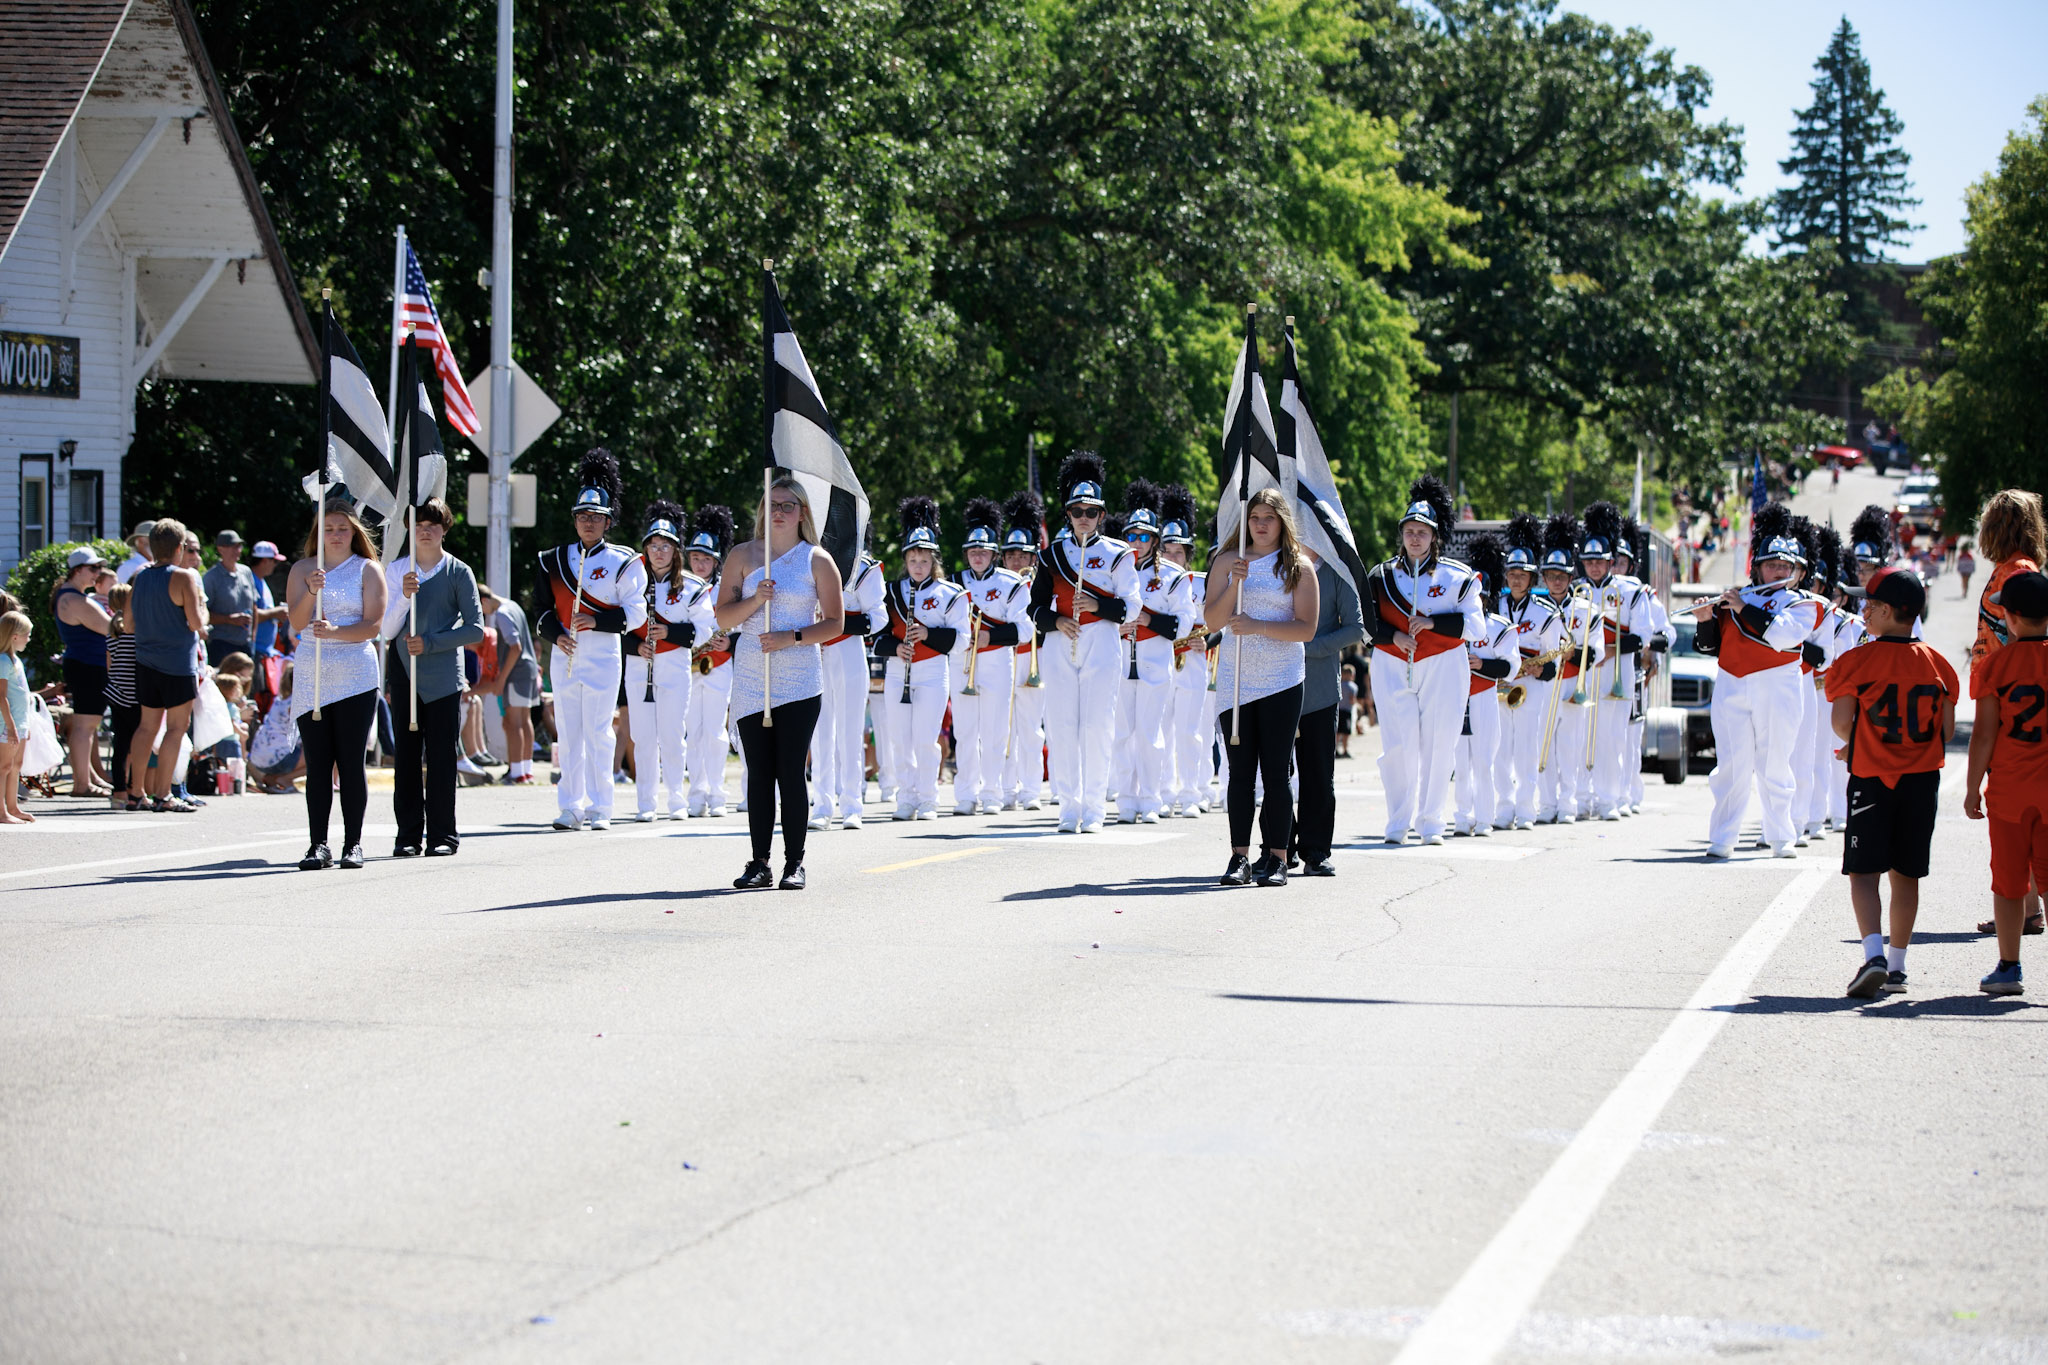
190, 208
49, 52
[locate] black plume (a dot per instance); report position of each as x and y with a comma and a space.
716, 519
1113, 526
1631, 533
1603, 519
1827, 563
1430, 489
662, 509
1809, 545
1525, 532
1773, 519
984, 512
600, 469
1873, 526
1024, 510
1142, 493
1488, 555
1561, 532
918, 510
1177, 504
1079, 466
1639, 539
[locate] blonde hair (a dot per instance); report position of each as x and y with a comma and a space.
1291, 562
807, 526
238, 664
359, 536
230, 685
14, 631
117, 607
2011, 525
166, 538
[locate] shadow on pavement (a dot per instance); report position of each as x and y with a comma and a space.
617, 898
1144, 886
1946, 1006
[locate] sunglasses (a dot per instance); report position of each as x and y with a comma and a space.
1085, 513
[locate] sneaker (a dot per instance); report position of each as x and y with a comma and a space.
821, 822
1321, 868
970, 809
600, 822
1868, 981
1895, 983
1070, 824
714, 812
441, 848
320, 857
1610, 814
2004, 981
569, 820
468, 768
1719, 852
792, 877
1784, 851
1799, 840
352, 859
645, 817
1483, 831
1275, 873
1432, 838
1239, 873
1191, 811
1148, 817
927, 812
523, 780
757, 877
1034, 804
679, 813
1395, 840
1091, 827
1014, 803
405, 850
905, 813
851, 822
740, 808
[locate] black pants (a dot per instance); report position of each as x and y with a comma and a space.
334, 748
776, 755
1315, 761
433, 746
125, 719
1266, 730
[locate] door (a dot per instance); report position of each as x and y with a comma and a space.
35, 504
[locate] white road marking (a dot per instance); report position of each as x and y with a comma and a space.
1555, 1334
1478, 1318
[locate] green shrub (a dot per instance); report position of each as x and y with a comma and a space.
33, 580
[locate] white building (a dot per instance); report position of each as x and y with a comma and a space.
133, 242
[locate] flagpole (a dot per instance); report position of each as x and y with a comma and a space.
398, 331
408, 474
767, 480
1244, 479
320, 503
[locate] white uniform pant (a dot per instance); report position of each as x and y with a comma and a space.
1805, 784
1140, 767
1524, 794
1080, 698
1611, 753
1480, 803
1190, 732
1024, 769
838, 744
980, 731
1419, 724
705, 736
914, 729
1568, 785
659, 727
586, 689
882, 716
1756, 721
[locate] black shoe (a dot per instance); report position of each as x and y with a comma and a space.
1322, 867
757, 877
441, 848
405, 850
318, 859
352, 859
1293, 860
1895, 983
1239, 873
1270, 871
792, 877
1868, 981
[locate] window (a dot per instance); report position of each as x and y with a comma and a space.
85, 504
35, 503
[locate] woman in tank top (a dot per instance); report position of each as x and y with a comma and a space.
82, 623
164, 617
781, 591
1259, 677
334, 701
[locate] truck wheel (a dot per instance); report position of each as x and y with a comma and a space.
1674, 771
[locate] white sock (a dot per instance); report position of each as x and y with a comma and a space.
1895, 959
1873, 946
522, 767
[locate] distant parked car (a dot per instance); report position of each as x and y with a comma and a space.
1848, 457
1919, 504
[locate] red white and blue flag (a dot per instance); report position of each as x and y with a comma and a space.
416, 306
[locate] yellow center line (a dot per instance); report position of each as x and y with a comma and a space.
935, 858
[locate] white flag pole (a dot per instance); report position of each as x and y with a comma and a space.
1244, 504
767, 570
320, 504
398, 331
768, 480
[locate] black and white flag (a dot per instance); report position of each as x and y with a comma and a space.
1324, 527
419, 466
800, 436
1251, 450
358, 448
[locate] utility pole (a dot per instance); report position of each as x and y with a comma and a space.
1031, 460
498, 556
1457, 494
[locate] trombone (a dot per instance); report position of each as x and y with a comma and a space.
973, 651
1611, 599
1578, 697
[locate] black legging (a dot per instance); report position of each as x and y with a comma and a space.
125, 719
334, 749
1267, 730
776, 755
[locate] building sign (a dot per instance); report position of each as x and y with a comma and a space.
38, 366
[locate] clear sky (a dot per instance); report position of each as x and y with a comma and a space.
1959, 73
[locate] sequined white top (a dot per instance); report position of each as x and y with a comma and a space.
1270, 665
345, 669
793, 673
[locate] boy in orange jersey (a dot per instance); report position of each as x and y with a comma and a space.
1894, 702
2006, 745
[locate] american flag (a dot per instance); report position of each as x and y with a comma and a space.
417, 308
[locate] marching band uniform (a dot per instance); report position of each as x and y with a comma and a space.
1567, 781
1024, 763
1849, 633
881, 716
1081, 675
1756, 704
1624, 625
1190, 720
681, 614
1658, 640
1481, 806
838, 745
1421, 702
1141, 768
612, 587
706, 742
941, 608
1538, 630
996, 602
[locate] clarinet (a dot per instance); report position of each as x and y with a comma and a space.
1134, 655
652, 620
903, 611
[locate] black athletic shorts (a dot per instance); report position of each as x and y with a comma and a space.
87, 684
1890, 828
164, 691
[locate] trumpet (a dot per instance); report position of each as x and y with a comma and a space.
700, 656
1184, 646
1514, 693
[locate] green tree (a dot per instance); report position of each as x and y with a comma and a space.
1985, 417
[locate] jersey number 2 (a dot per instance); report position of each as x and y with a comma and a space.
2030, 698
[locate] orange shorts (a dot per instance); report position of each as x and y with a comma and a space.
2018, 847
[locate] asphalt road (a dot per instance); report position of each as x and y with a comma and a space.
986, 1093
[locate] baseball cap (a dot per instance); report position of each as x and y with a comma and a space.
85, 554
265, 549
229, 537
2024, 594
1899, 589
142, 530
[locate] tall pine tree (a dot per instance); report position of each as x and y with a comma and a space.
1849, 190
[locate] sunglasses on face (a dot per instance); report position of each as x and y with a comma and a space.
1085, 514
